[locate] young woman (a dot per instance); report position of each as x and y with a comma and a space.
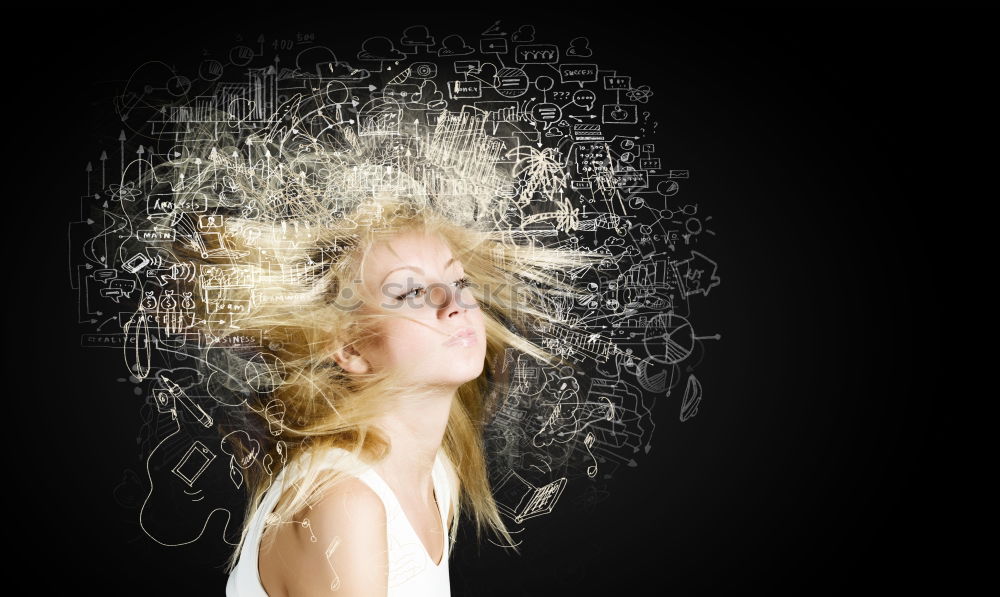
388, 289
418, 333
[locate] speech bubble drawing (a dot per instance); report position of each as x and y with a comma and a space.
584, 98
578, 73
546, 113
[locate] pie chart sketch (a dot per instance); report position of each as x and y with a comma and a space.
668, 188
669, 338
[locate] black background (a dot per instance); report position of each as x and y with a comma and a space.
811, 463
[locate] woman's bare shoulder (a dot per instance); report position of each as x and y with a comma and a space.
350, 504
340, 544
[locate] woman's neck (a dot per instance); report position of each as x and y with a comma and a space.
416, 429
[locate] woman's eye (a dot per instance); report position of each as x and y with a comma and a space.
461, 283
418, 290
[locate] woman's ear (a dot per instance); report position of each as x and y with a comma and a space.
350, 360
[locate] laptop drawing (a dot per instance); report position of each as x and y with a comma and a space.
198, 243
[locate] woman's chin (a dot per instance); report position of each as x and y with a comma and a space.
458, 378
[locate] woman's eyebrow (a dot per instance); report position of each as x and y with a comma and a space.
415, 268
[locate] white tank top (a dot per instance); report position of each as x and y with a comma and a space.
412, 573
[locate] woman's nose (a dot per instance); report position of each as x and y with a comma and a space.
441, 297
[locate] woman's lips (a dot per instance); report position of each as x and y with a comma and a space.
463, 337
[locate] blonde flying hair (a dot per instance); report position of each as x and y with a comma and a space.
299, 204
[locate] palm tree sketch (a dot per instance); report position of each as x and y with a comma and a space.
543, 171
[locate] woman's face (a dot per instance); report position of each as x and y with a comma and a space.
419, 287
